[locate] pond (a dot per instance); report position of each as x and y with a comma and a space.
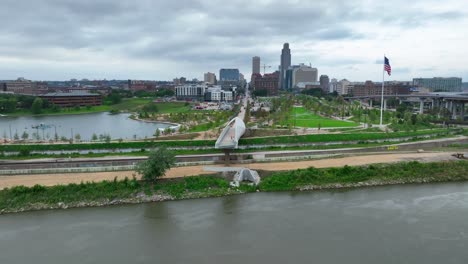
45, 127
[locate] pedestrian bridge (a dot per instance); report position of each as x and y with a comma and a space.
229, 138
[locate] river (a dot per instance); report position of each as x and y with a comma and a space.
392, 224
117, 126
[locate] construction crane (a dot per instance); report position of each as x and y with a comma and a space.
264, 67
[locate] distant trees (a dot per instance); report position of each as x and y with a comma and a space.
150, 108
262, 92
7, 105
10, 103
114, 98
37, 105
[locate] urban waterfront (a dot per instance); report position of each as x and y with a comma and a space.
117, 126
391, 224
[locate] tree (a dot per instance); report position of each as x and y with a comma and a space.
94, 137
159, 160
37, 106
115, 98
77, 137
157, 133
150, 108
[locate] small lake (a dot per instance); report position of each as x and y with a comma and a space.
117, 126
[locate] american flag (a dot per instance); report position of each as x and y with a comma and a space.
387, 66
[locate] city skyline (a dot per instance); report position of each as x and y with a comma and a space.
158, 41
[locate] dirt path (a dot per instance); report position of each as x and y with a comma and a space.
59, 178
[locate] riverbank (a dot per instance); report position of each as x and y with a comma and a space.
20, 198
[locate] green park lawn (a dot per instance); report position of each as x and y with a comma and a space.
130, 104
301, 117
172, 107
135, 104
127, 104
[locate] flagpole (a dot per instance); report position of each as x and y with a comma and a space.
381, 99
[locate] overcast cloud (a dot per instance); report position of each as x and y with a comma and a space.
160, 40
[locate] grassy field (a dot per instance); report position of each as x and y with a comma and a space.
173, 107
64, 111
145, 152
300, 117
135, 104
386, 173
130, 104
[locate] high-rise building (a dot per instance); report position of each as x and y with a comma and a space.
344, 87
285, 63
255, 64
229, 75
304, 74
439, 84
289, 76
333, 85
325, 83
209, 78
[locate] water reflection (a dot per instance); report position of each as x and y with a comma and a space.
84, 125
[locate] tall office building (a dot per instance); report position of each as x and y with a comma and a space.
304, 74
325, 83
285, 63
229, 75
255, 65
334, 85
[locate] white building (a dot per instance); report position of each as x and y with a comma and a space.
216, 94
333, 85
344, 87
190, 92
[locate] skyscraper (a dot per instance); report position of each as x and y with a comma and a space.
285, 63
255, 64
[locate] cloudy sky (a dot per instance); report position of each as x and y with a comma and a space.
162, 39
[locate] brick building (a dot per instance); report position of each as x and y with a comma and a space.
71, 99
391, 88
136, 85
268, 82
